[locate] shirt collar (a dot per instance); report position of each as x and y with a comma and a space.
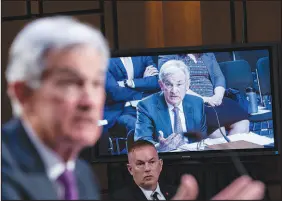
54, 164
149, 193
180, 107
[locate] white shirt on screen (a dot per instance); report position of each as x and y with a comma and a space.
127, 62
193, 57
53, 163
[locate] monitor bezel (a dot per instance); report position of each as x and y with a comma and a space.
275, 72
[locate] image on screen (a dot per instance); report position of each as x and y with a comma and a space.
189, 102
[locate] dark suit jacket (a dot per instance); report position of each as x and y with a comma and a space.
23, 171
133, 192
117, 96
153, 116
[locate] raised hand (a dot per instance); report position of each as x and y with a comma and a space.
170, 143
188, 188
243, 188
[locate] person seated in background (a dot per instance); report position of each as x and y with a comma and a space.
129, 79
55, 76
208, 83
145, 166
164, 117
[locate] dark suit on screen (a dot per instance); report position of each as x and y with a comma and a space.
24, 175
153, 116
117, 96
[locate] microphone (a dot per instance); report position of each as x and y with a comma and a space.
219, 126
236, 161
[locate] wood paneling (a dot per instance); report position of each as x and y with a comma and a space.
182, 23
215, 22
264, 21
62, 5
11, 8
154, 24
131, 24
159, 24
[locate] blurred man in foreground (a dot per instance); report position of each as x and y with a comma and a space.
145, 167
55, 77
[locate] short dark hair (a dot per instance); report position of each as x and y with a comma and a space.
140, 143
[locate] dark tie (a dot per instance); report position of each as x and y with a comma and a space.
177, 121
155, 196
68, 180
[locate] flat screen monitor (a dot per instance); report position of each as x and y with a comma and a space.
192, 102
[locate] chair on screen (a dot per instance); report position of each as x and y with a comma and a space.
130, 139
263, 76
117, 140
238, 75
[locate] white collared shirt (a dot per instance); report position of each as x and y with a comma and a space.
192, 56
149, 193
181, 114
53, 163
127, 62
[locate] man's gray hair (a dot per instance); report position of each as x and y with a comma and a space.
26, 55
171, 67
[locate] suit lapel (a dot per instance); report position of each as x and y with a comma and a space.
188, 113
39, 187
166, 191
136, 66
121, 67
163, 116
80, 185
84, 191
33, 171
137, 193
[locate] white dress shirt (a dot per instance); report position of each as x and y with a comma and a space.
193, 57
149, 193
127, 62
181, 114
54, 164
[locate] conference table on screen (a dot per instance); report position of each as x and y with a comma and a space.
237, 141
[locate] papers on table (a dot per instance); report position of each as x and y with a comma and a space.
250, 137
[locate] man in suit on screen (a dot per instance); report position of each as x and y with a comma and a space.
164, 116
55, 76
128, 80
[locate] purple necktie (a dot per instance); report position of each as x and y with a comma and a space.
68, 180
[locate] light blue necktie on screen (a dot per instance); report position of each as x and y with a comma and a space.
177, 121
